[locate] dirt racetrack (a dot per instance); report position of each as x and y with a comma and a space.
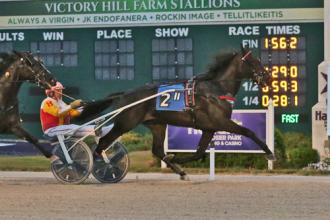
26, 195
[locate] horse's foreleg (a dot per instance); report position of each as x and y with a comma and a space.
21, 133
232, 127
202, 146
158, 134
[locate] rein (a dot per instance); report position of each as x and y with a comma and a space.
63, 94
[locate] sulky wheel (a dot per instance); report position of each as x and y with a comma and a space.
116, 168
81, 167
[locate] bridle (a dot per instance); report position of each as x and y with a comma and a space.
10, 72
246, 56
257, 75
37, 76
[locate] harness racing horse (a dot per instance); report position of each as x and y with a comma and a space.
209, 114
16, 68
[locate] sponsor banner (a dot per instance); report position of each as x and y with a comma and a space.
164, 18
182, 139
56, 7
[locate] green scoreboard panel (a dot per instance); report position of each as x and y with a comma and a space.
116, 51
291, 52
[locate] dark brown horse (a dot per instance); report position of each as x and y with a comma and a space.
209, 114
15, 69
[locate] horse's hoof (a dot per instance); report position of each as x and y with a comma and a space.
184, 177
271, 157
168, 157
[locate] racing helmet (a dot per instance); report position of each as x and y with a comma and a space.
57, 86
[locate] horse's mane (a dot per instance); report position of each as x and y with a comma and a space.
6, 60
220, 63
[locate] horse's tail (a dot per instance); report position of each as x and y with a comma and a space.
95, 107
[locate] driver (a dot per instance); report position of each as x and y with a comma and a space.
54, 111
55, 115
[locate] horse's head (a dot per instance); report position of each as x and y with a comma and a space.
30, 69
253, 68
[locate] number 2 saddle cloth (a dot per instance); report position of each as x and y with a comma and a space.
183, 98
179, 100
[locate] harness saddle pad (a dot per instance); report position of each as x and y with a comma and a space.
174, 101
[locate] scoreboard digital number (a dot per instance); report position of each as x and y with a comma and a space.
285, 58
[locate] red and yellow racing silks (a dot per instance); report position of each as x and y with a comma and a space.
55, 112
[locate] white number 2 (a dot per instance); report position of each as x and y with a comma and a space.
164, 102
